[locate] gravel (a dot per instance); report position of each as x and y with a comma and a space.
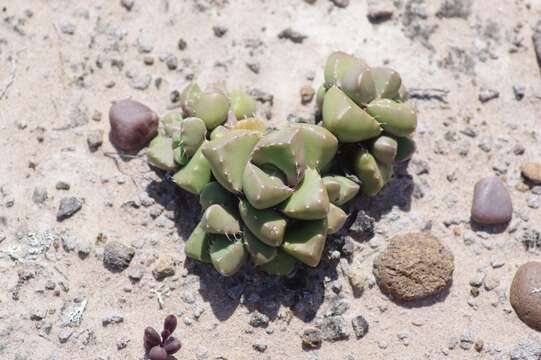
333, 328
68, 207
39, 196
145, 42
360, 326
94, 139
312, 338
292, 35
486, 95
116, 256
258, 319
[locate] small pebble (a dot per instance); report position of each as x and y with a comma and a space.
260, 346
219, 31
127, 4
485, 95
491, 283
477, 279
307, 94
136, 273
340, 3
292, 35
165, 267
64, 335
116, 256
68, 29
360, 326
491, 202
533, 202
62, 185
39, 196
94, 139
379, 12
311, 338
145, 42
68, 207
182, 44
519, 92
532, 172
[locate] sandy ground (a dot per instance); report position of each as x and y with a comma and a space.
61, 57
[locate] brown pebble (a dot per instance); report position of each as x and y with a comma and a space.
525, 294
307, 94
532, 172
133, 125
478, 346
414, 266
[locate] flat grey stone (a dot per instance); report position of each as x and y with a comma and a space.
68, 207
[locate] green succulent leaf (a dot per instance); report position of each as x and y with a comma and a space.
212, 108
170, 124
305, 241
387, 81
320, 145
310, 201
197, 245
192, 134
283, 149
346, 120
347, 189
227, 256
336, 219
218, 219
352, 75
385, 149
214, 193
282, 264
228, 156
189, 97
260, 252
242, 104
369, 171
195, 175
399, 119
160, 153
267, 225
406, 148
262, 189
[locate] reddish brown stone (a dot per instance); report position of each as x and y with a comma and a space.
133, 125
525, 294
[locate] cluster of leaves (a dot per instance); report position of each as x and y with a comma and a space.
273, 195
159, 347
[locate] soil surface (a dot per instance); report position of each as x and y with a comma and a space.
62, 64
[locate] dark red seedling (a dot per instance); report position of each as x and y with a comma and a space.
160, 347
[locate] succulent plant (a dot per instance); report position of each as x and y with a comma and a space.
272, 196
159, 347
367, 110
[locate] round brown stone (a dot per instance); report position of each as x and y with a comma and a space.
133, 125
532, 172
414, 266
525, 294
